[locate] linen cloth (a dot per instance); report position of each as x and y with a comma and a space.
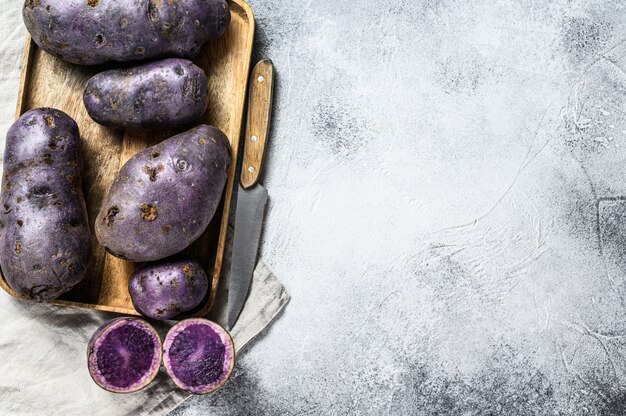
43, 366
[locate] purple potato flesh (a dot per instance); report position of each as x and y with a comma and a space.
90, 32
164, 197
199, 355
45, 241
124, 355
162, 94
167, 289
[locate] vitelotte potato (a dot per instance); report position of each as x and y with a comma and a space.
91, 32
45, 242
199, 355
124, 355
163, 290
165, 196
162, 94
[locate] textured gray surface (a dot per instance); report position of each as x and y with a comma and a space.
447, 210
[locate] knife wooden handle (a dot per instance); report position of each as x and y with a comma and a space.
258, 123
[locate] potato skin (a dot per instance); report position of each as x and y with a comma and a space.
163, 94
164, 197
45, 242
90, 32
166, 289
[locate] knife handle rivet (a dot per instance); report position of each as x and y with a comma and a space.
251, 169
260, 78
254, 138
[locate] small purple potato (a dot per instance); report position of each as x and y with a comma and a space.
199, 355
90, 32
45, 242
164, 290
162, 94
164, 197
124, 355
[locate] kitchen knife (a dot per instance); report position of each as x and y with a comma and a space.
251, 197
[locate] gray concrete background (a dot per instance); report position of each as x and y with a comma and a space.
447, 210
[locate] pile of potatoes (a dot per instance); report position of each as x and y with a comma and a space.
163, 198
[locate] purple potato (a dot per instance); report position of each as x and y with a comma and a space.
163, 94
199, 355
90, 32
166, 289
45, 242
124, 355
164, 197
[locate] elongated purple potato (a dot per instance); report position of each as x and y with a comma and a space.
124, 355
45, 242
162, 94
199, 355
166, 289
164, 197
92, 32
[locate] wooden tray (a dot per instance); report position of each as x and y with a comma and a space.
47, 81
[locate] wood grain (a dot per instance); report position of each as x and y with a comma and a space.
258, 122
47, 81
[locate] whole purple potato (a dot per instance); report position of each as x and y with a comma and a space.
45, 242
166, 289
162, 94
90, 32
164, 197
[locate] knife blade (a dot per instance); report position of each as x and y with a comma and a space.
251, 196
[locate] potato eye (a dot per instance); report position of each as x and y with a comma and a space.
182, 165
